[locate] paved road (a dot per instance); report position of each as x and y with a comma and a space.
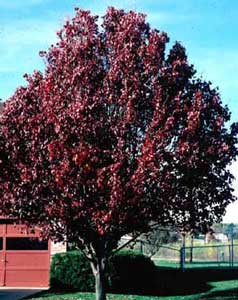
16, 294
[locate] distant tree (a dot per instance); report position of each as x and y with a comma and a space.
236, 233
230, 231
113, 137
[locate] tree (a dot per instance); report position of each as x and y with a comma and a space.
112, 137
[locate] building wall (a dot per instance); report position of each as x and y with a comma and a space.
58, 248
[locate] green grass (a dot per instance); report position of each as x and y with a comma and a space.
225, 290
166, 263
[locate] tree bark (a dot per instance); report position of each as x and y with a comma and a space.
99, 274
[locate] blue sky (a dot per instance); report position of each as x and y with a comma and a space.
207, 28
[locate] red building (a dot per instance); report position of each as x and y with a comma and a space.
24, 257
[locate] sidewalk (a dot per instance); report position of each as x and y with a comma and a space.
17, 294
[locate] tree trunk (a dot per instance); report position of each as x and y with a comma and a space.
99, 274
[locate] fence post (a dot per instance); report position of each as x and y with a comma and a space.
182, 258
229, 255
191, 249
231, 231
232, 253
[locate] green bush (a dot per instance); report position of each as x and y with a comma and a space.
71, 270
128, 272
131, 273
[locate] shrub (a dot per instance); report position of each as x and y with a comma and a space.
71, 270
129, 272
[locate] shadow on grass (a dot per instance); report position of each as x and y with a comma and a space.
174, 282
171, 282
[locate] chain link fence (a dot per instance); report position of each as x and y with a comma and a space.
175, 255
209, 256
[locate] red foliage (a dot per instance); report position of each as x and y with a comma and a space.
114, 135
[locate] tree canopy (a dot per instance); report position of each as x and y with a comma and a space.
115, 135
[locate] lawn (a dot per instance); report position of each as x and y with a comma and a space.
172, 284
